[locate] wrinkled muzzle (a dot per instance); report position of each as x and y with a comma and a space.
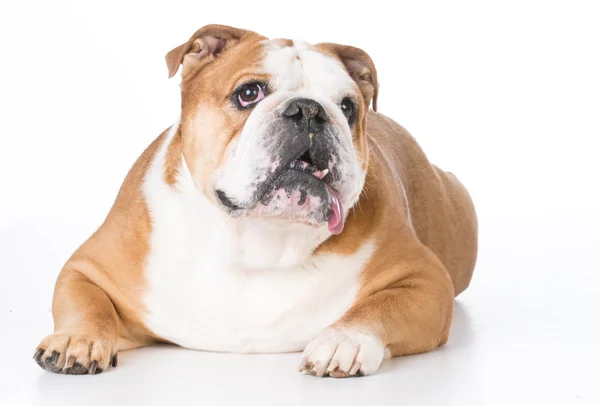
293, 162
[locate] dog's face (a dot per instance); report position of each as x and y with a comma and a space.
275, 128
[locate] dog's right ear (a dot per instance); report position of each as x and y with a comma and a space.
203, 47
360, 67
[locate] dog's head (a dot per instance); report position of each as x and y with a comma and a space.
275, 128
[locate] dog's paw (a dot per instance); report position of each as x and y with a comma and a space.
342, 353
75, 354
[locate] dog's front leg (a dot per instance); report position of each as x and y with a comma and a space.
401, 310
85, 328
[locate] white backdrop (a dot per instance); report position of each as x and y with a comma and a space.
504, 94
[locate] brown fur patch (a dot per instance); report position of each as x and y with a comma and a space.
111, 259
173, 159
209, 120
408, 286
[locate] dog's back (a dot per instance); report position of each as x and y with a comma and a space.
439, 206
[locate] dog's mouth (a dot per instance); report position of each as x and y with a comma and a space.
300, 191
305, 164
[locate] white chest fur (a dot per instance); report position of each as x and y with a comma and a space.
228, 285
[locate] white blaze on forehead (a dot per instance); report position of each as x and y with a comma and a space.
299, 68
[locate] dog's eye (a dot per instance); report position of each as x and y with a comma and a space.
347, 107
250, 94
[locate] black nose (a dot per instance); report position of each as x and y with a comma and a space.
226, 200
306, 114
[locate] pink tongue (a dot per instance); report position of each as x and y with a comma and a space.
336, 221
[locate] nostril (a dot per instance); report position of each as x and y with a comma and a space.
306, 114
296, 117
293, 111
226, 200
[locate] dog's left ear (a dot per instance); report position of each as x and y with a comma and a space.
361, 68
203, 46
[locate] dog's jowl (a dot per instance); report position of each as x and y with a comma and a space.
279, 213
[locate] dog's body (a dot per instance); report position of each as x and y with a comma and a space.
262, 265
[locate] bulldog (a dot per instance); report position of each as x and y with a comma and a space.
279, 213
